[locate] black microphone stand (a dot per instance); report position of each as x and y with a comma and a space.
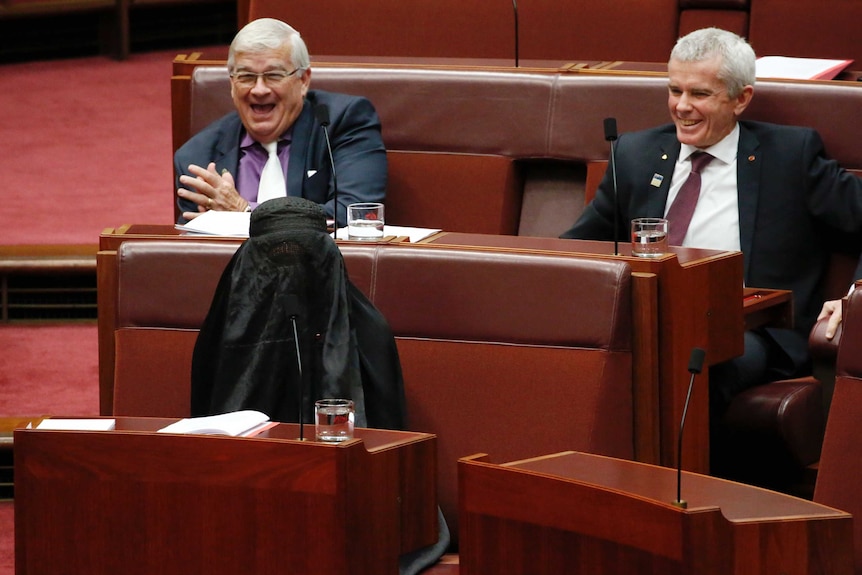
322, 113
293, 313
695, 364
517, 50
611, 136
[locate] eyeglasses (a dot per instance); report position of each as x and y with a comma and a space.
272, 79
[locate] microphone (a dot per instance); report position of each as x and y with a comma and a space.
515, 8
292, 305
611, 136
322, 113
695, 365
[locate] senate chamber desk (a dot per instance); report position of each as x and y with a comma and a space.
575, 512
695, 299
136, 501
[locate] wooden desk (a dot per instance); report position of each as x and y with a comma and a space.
699, 305
580, 513
139, 502
7, 427
772, 307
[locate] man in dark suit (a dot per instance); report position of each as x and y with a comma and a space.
220, 168
768, 190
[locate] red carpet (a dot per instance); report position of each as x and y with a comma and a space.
44, 369
86, 145
49, 369
7, 542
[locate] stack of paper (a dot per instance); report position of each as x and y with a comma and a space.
413, 234
236, 423
213, 223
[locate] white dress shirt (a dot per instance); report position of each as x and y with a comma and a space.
715, 223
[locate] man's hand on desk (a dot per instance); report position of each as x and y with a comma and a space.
832, 310
211, 191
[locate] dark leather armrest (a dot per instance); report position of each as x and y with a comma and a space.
822, 349
782, 416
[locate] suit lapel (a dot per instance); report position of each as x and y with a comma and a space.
227, 148
661, 166
748, 164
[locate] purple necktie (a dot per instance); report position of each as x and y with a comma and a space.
682, 208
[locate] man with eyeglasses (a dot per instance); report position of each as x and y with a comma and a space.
220, 168
766, 190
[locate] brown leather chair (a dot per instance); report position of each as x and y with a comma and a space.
839, 480
775, 431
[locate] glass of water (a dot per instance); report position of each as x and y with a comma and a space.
333, 419
649, 237
365, 221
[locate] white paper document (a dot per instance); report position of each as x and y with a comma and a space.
77, 424
799, 68
236, 423
214, 223
414, 234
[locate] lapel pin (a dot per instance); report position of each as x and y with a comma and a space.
656, 181
750, 158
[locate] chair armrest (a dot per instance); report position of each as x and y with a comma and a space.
822, 349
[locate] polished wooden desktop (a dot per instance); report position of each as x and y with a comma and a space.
580, 513
136, 501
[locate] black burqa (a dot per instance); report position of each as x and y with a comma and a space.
245, 355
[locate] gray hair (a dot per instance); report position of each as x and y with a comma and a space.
269, 34
737, 67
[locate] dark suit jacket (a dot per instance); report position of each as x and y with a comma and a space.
796, 205
357, 148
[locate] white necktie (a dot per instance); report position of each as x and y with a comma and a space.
271, 178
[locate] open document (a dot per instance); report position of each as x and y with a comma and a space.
245, 423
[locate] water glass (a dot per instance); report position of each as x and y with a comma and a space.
333, 419
649, 237
365, 221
